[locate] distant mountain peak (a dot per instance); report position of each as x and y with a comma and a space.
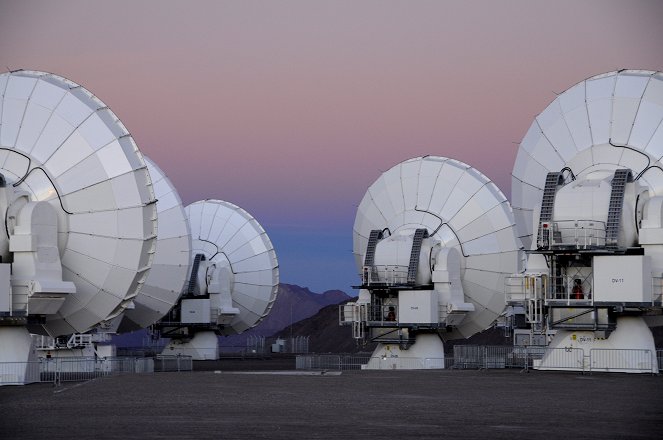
293, 303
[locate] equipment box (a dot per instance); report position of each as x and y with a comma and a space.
418, 307
622, 278
196, 311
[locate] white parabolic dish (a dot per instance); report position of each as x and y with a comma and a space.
172, 258
605, 122
464, 209
227, 234
63, 145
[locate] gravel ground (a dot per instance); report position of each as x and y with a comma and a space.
285, 404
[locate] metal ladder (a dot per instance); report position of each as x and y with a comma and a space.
553, 180
369, 259
419, 236
616, 203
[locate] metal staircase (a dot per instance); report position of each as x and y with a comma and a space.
419, 236
190, 290
369, 258
553, 180
616, 203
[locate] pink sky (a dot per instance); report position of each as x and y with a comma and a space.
291, 109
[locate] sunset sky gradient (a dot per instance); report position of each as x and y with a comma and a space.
291, 109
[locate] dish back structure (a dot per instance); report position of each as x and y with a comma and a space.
172, 257
605, 122
60, 144
230, 237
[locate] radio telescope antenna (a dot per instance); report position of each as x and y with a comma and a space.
78, 204
587, 195
233, 281
172, 258
434, 240
605, 122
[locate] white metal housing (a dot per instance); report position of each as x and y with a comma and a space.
232, 239
62, 145
576, 130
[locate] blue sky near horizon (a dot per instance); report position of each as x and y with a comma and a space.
333, 256
291, 109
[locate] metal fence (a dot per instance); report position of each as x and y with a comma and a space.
572, 359
342, 362
166, 362
70, 369
13, 373
494, 356
622, 360
468, 356
491, 357
331, 362
404, 363
569, 358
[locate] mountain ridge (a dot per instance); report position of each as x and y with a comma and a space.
293, 303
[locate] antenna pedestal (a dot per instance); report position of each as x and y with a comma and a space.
18, 356
204, 346
629, 349
426, 353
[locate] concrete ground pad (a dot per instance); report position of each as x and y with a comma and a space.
431, 404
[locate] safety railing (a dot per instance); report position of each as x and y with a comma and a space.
568, 358
519, 288
533, 289
351, 312
359, 362
71, 369
332, 362
496, 357
353, 362
502, 357
581, 234
81, 369
622, 360
467, 356
18, 373
403, 363
391, 275
173, 363
385, 315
